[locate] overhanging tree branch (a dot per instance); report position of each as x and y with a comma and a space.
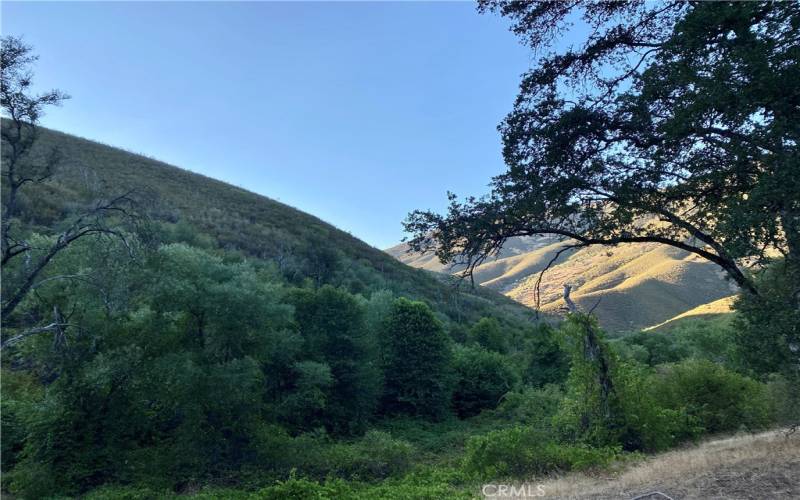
93, 222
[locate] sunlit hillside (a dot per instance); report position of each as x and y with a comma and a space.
717, 310
629, 287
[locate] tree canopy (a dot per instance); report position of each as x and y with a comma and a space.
672, 122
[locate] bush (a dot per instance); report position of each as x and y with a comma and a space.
129, 493
488, 334
425, 484
591, 411
428, 483
719, 399
648, 425
711, 339
547, 362
521, 451
651, 348
784, 393
296, 488
375, 456
768, 325
629, 415
482, 378
20, 391
534, 406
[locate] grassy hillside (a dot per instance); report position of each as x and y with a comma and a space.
718, 311
235, 342
630, 286
221, 361
214, 213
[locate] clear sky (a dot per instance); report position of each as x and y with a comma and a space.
355, 112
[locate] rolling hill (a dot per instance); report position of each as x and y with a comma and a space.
716, 311
212, 213
630, 286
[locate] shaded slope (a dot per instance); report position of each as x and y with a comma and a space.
232, 218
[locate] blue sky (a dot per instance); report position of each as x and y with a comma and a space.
355, 112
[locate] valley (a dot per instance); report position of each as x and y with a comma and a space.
629, 287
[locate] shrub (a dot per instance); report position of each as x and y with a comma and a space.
482, 378
375, 456
767, 328
591, 410
488, 334
129, 493
534, 406
629, 414
521, 451
784, 393
19, 392
296, 488
720, 400
428, 483
547, 362
651, 348
30, 479
648, 425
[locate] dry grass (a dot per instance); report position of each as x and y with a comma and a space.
637, 285
712, 309
765, 465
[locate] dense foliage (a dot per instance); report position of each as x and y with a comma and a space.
176, 335
158, 340
190, 366
483, 378
669, 122
417, 362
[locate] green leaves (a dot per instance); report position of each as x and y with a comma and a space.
417, 362
672, 122
482, 379
488, 334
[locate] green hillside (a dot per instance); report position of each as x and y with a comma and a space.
216, 337
165, 335
239, 348
211, 212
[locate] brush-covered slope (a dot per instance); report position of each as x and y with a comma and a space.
215, 214
630, 286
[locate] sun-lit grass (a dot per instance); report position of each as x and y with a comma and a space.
631, 286
765, 465
713, 309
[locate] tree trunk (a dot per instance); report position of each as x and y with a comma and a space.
594, 354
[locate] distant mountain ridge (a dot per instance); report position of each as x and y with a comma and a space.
630, 286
